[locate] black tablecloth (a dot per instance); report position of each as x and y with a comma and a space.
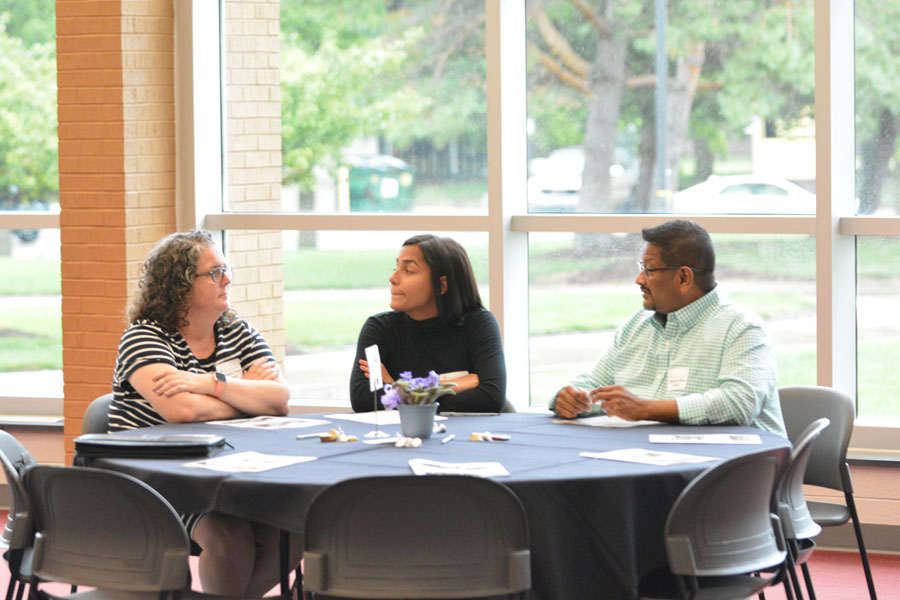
596, 525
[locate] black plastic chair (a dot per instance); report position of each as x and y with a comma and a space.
109, 531
96, 417
827, 466
416, 537
722, 533
18, 534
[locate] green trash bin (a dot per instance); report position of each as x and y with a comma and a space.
380, 183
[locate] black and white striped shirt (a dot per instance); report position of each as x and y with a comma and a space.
145, 342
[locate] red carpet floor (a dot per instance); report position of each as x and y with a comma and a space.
840, 576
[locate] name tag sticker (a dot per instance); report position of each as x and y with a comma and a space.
677, 379
231, 368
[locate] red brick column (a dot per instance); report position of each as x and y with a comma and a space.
117, 175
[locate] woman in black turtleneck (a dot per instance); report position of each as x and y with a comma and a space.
437, 323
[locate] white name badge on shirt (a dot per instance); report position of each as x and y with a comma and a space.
678, 377
231, 368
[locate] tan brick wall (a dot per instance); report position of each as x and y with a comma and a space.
253, 124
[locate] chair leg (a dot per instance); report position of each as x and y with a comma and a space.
790, 567
284, 546
808, 579
857, 529
14, 560
785, 581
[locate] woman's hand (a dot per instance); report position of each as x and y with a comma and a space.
175, 382
385, 376
466, 382
263, 370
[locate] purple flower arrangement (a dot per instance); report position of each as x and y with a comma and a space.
414, 390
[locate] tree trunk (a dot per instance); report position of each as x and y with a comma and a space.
705, 160
607, 84
645, 188
681, 90
876, 154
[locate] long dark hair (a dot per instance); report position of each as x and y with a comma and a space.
447, 258
167, 279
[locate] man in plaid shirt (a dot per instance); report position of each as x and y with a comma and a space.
690, 356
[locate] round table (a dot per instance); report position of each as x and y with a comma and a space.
596, 525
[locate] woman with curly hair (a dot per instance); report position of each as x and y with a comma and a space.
186, 357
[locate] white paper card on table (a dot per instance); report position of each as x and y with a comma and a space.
648, 457
246, 462
373, 359
382, 440
706, 438
605, 421
423, 466
270, 422
382, 417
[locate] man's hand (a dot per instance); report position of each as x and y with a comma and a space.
571, 402
616, 401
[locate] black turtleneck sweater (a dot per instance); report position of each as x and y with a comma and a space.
431, 345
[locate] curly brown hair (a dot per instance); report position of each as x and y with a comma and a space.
167, 279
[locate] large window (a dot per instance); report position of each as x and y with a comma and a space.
30, 328
631, 110
752, 135
383, 108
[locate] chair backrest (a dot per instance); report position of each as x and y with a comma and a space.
722, 522
15, 459
796, 522
422, 537
106, 530
800, 406
96, 417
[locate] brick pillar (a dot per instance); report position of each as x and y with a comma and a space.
117, 175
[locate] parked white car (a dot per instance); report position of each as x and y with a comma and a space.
744, 195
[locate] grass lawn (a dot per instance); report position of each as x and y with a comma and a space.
42, 277
30, 339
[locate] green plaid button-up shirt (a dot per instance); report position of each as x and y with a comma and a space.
716, 353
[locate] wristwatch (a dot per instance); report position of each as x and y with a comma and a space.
221, 380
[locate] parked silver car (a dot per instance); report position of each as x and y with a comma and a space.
555, 180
